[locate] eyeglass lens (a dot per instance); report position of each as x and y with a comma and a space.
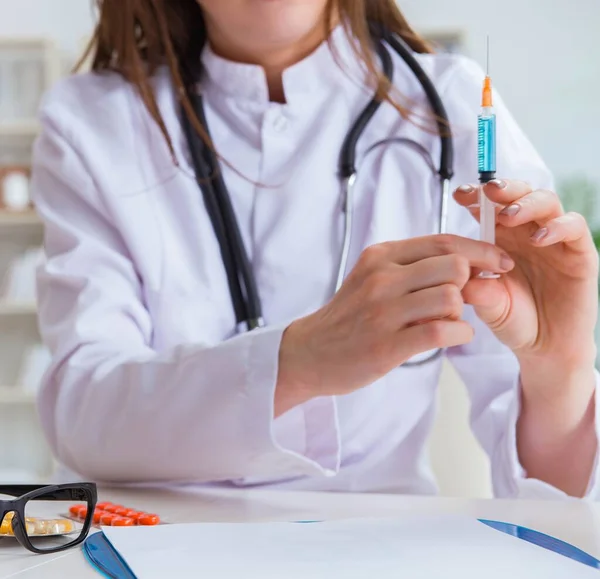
50, 524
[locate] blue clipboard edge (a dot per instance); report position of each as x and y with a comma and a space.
106, 560
545, 541
101, 555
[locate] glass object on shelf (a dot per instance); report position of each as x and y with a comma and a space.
19, 283
29, 75
16, 148
5, 91
22, 76
14, 186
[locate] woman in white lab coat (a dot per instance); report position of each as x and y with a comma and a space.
149, 381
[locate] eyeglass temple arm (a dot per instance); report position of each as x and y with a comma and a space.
52, 494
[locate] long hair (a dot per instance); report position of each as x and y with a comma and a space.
135, 37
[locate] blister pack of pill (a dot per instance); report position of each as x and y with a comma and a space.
39, 526
110, 514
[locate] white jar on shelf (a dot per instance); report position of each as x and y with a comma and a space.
15, 191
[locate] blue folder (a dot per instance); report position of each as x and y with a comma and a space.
105, 559
101, 554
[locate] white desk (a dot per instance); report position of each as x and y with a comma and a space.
573, 521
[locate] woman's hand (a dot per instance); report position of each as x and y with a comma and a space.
545, 308
402, 298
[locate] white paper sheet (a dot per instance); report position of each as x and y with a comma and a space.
412, 548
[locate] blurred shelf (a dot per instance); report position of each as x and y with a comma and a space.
16, 395
17, 308
35, 64
18, 218
27, 128
37, 42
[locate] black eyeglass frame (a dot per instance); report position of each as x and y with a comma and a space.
77, 492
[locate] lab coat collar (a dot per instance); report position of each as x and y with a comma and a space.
318, 72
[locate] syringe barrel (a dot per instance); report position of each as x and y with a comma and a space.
487, 143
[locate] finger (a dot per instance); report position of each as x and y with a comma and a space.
570, 228
467, 195
435, 271
504, 191
499, 191
478, 253
489, 298
441, 302
432, 335
384, 287
538, 207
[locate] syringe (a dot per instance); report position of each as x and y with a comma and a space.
487, 162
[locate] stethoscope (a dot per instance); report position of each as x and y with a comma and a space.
240, 278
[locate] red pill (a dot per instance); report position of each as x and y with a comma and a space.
122, 511
74, 510
98, 515
107, 518
147, 519
82, 512
122, 522
102, 506
110, 508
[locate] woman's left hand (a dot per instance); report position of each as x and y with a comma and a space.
545, 309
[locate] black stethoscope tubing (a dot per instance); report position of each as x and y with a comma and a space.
240, 278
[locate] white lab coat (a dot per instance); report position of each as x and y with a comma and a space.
148, 382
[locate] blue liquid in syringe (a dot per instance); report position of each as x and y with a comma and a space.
487, 143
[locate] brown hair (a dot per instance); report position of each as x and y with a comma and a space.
135, 37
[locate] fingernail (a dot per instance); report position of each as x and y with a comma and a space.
506, 263
473, 206
540, 234
511, 210
464, 189
498, 183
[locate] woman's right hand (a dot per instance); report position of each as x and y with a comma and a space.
402, 298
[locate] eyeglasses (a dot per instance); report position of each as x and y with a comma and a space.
41, 519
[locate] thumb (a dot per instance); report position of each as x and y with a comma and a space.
489, 298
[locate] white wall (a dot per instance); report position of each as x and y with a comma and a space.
65, 21
545, 63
